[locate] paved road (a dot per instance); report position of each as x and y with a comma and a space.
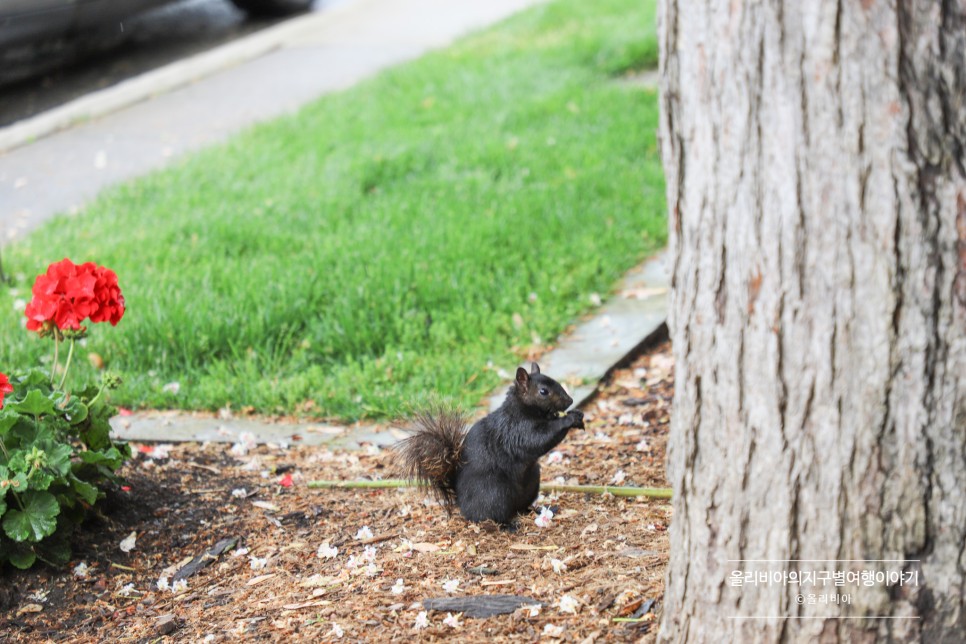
318, 53
44, 75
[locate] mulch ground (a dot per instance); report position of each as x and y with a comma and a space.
304, 564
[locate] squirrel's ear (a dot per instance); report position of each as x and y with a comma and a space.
534, 368
523, 378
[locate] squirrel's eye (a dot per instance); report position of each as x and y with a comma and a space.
544, 391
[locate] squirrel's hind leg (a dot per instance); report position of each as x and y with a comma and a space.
529, 490
482, 498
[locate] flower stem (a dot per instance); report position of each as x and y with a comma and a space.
90, 405
70, 354
53, 368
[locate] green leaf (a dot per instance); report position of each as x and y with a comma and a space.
64, 445
58, 456
37, 520
17, 463
87, 393
36, 379
98, 435
23, 434
40, 480
76, 411
56, 549
84, 489
16, 482
110, 456
35, 403
22, 558
8, 418
67, 500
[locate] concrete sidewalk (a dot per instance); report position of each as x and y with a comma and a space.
56, 162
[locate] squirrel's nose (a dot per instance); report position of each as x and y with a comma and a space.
567, 397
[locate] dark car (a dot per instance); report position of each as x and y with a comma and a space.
23, 21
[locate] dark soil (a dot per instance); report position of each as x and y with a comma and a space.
598, 568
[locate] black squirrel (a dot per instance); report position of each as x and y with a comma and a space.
491, 471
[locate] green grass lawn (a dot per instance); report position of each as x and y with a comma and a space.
384, 243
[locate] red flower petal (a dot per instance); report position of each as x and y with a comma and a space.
5, 388
285, 481
68, 294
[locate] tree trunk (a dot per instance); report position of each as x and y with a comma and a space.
814, 154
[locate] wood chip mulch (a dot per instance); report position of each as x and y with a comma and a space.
246, 550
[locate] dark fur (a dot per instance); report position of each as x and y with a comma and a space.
491, 471
431, 454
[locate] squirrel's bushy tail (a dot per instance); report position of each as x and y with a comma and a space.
431, 454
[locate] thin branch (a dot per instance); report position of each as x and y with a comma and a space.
650, 492
387, 483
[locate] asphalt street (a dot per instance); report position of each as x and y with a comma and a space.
43, 75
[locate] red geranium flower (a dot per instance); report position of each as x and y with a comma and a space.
5, 388
107, 294
67, 294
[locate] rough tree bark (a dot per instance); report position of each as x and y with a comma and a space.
814, 154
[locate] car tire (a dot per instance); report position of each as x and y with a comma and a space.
273, 7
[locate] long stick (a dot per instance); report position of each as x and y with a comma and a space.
387, 483
651, 492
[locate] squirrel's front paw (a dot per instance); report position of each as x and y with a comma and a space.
576, 418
